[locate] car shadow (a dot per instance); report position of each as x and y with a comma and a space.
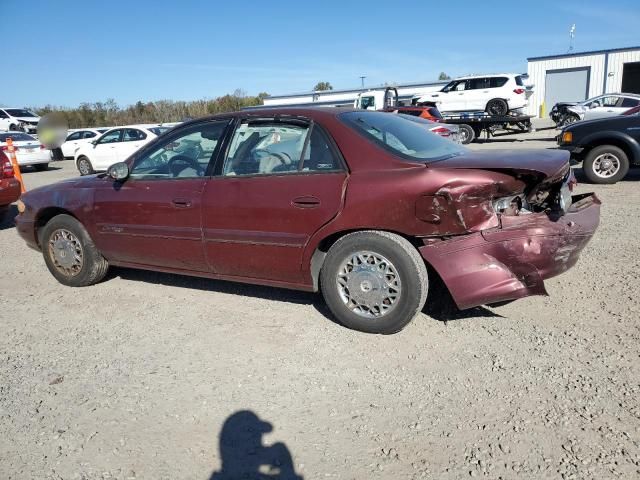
439, 305
27, 169
243, 455
7, 216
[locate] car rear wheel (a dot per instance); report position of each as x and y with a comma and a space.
605, 164
466, 134
41, 167
70, 254
374, 281
84, 166
497, 106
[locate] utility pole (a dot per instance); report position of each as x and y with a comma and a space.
362, 77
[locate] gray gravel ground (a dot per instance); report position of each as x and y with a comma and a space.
135, 377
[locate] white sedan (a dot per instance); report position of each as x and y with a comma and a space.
115, 145
29, 151
77, 138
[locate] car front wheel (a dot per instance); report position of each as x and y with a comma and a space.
374, 281
84, 166
605, 164
70, 254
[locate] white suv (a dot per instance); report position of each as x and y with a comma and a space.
494, 94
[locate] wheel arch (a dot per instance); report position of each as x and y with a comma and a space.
320, 252
628, 145
45, 215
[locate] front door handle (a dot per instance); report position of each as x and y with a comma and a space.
306, 201
181, 202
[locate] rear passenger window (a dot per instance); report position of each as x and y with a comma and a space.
74, 136
266, 148
478, 83
89, 135
497, 82
629, 103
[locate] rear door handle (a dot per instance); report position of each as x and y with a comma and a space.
305, 202
181, 202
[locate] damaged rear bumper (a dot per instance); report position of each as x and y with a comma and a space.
512, 261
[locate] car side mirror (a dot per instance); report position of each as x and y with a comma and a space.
94, 142
118, 171
594, 105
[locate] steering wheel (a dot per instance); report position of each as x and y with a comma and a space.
180, 162
284, 158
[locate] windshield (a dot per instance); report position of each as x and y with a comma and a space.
19, 112
403, 137
16, 137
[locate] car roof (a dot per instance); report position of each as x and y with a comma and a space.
470, 77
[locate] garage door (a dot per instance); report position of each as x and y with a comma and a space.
570, 85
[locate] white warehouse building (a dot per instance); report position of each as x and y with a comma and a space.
574, 77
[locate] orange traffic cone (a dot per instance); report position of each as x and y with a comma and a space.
14, 162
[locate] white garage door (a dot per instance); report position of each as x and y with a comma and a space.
565, 86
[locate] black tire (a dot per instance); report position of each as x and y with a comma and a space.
466, 133
13, 128
406, 262
93, 266
569, 119
497, 106
41, 167
84, 166
592, 164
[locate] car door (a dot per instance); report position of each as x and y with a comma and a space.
154, 217
71, 144
280, 182
132, 140
4, 121
604, 106
103, 153
477, 94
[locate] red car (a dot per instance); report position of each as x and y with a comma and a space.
355, 203
9, 186
427, 112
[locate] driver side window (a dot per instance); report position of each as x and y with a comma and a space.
185, 154
111, 137
266, 147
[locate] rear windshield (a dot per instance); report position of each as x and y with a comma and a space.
405, 138
519, 81
16, 137
19, 112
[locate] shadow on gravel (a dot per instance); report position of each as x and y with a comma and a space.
7, 216
243, 455
441, 307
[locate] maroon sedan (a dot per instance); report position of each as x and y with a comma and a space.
9, 186
357, 204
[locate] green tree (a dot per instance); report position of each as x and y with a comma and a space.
443, 76
322, 86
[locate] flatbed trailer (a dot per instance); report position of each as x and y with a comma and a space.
473, 124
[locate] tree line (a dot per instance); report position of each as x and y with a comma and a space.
109, 113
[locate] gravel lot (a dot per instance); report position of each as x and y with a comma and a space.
136, 377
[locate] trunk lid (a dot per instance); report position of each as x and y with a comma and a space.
546, 165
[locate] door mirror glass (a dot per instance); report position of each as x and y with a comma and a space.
118, 171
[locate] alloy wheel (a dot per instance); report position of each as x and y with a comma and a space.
606, 165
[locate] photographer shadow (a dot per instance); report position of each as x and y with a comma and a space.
243, 456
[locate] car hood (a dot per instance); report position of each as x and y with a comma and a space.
28, 119
545, 164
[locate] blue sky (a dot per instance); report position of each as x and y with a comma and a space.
73, 51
